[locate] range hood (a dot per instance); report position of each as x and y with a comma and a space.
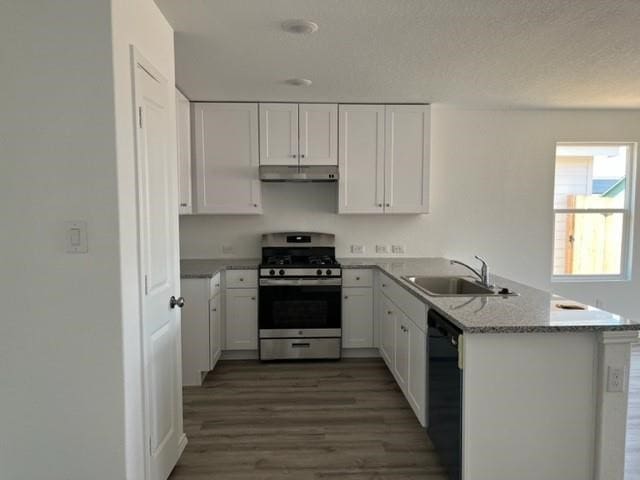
296, 173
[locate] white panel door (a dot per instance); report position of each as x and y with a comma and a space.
388, 331
158, 236
226, 158
318, 134
183, 126
407, 153
361, 159
401, 367
357, 318
242, 319
417, 371
215, 330
278, 134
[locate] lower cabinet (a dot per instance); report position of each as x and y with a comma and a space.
242, 319
215, 330
403, 346
357, 315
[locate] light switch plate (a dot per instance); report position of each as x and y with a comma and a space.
615, 379
357, 248
397, 249
76, 240
382, 249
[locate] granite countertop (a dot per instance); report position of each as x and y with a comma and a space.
533, 310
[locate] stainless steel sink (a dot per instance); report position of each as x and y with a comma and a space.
453, 287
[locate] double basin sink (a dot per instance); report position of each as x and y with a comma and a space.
455, 287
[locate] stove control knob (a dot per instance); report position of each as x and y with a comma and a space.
328, 272
281, 272
318, 272
272, 272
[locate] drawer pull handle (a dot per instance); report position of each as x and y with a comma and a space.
300, 345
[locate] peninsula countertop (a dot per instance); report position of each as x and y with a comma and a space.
532, 310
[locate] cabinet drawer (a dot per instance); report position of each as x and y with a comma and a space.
357, 278
215, 286
242, 278
414, 308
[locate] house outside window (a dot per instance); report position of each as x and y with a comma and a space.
592, 210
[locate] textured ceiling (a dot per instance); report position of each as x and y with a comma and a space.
503, 53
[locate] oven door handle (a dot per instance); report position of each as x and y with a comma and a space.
284, 282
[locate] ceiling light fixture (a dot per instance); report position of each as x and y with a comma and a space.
299, 82
300, 27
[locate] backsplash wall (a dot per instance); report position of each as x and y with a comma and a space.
304, 207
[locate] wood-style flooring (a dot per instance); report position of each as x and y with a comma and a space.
325, 420
632, 467
303, 421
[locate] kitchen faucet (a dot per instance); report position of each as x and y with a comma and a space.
483, 274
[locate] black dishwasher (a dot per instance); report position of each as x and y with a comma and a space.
445, 392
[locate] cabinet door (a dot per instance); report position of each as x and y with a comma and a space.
407, 153
215, 331
388, 331
402, 351
278, 134
361, 159
183, 127
226, 158
357, 318
194, 329
417, 381
242, 319
318, 134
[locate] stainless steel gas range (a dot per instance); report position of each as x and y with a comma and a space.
300, 308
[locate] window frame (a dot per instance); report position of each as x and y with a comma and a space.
627, 212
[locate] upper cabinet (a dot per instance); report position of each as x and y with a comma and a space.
226, 158
183, 127
384, 159
278, 134
298, 134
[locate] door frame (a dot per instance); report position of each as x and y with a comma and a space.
140, 61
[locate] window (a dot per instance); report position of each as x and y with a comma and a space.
592, 209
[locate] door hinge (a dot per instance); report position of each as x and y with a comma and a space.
140, 117
150, 447
146, 285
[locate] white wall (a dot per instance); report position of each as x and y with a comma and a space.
138, 23
69, 329
303, 206
491, 194
61, 388
496, 170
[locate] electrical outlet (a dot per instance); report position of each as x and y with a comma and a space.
227, 249
382, 249
357, 248
397, 249
615, 379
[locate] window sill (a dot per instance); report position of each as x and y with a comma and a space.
590, 279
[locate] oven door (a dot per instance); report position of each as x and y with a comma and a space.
300, 307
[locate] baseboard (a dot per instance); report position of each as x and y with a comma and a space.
182, 444
239, 355
360, 353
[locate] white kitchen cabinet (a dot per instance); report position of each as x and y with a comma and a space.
241, 319
226, 158
278, 134
384, 158
357, 318
298, 134
318, 129
401, 364
416, 389
406, 158
361, 159
215, 331
388, 331
183, 128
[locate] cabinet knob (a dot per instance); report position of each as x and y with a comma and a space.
346, 296
389, 312
357, 278
388, 205
302, 155
255, 205
293, 155
384, 284
241, 279
253, 298
380, 205
217, 284
215, 309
